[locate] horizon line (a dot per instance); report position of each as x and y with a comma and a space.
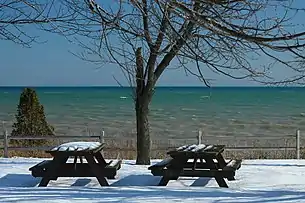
159, 86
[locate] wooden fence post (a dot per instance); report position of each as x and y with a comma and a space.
199, 137
297, 148
5, 144
102, 135
102, 140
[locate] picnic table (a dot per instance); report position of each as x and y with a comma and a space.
196, 161
95, 165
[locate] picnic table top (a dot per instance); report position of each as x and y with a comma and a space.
77, 147
197, 149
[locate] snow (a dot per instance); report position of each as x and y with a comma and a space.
189, 148
182, 147
208, 147
114, 163
195, 148
199, 148
164, 162
280, 181
231, 163
72, 146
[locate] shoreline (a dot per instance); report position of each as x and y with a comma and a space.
281, 147
171, 128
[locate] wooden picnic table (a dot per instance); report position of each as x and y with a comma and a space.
95, 165
196, 161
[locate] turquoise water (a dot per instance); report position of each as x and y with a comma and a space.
175, 111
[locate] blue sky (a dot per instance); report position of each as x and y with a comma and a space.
51, 64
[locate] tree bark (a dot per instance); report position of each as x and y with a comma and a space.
142, 99
143, 136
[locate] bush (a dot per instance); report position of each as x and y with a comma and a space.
30, 120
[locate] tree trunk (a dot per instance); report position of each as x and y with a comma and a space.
143, 136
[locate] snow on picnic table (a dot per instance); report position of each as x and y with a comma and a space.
256, 181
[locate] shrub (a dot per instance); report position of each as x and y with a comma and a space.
30, 120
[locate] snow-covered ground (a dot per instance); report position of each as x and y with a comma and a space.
256, 181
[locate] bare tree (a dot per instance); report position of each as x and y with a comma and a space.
17, 15
241, 39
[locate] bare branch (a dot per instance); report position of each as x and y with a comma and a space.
16, 16
229, 37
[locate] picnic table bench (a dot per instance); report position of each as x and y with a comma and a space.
206, 161
95, 165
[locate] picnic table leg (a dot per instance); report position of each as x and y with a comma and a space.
51, 172
100, 159
173, 171
75, 162
164, 181
44, 182
231, 178
195, 163
222, 164
220, 180
97, 171
170, 174
221, 161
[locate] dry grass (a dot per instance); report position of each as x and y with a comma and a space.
30, 153
126, 147
160, 154
127, 150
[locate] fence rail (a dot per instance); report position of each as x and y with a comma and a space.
295, 145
